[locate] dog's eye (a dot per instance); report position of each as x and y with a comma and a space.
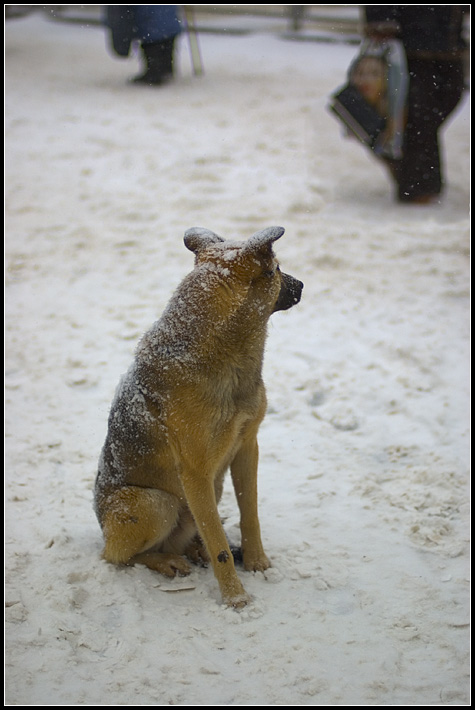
271, 272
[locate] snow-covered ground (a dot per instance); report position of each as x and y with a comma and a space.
365, 447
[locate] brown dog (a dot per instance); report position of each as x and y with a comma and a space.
189, 408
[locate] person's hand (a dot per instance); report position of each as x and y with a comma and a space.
382, 30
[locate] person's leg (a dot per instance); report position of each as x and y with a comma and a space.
159, 62
435, 90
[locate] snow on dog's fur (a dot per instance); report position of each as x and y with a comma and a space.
190, 407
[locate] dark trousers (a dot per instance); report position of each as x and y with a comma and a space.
435, 89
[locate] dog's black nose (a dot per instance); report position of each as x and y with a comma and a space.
290, 293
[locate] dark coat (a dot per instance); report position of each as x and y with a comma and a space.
423, 28
148, 24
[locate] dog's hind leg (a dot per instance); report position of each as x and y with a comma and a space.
184, 539
137, 520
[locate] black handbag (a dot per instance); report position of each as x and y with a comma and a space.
120, 20
357, 115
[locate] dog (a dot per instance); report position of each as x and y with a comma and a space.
188, 409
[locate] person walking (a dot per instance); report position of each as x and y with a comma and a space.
155, 27
432, 36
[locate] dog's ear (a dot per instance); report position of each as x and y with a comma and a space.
264, 239
197, 238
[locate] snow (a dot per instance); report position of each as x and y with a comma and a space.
365, 446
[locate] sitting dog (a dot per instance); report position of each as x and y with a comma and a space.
190, 407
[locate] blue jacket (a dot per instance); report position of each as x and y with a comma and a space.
145, 23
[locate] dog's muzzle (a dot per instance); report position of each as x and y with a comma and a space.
290, 293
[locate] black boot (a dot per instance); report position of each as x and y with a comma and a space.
159, 62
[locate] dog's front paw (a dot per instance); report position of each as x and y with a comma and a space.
255, 562
239, 601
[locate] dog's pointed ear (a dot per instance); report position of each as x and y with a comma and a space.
264, 239
197, 238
